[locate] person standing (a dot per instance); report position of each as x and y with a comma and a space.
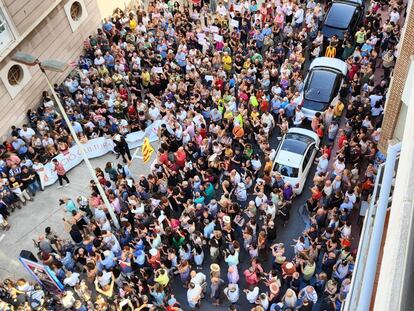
39, 168
193, 295
232, 293
121, 147
61, 173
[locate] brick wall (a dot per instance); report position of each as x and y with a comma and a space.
393, 103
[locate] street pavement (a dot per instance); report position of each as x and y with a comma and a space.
30, 222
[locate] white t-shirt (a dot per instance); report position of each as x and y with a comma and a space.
27, 134
394, 17
299, 116
251, 296
322, 165
193, 293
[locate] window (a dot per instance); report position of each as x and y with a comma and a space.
6, 36
286, 170
76, 13
15, 77
307, 157
15, 74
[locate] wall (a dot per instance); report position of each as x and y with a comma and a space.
26, 12
393, 103
51, 39
106, 7
397, 262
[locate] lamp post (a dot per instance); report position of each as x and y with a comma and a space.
58, 66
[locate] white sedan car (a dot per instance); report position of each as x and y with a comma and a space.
295, 156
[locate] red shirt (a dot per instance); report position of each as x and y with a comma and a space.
203, 133
327, 150
163, 158
341, 141
180, 157
319, 132
264, 106
251, 277
59, 169
219, 84
124, 93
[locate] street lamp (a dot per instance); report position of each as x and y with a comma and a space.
57, 66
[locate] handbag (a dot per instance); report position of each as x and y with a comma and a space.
268, 41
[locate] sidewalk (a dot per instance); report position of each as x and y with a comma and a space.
31, 221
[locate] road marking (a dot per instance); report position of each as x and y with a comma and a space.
2, 237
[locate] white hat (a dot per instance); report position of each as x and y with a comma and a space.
226, 219
153, 252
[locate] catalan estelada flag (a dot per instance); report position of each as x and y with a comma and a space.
147, 150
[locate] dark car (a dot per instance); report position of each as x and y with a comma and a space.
343, 16
322, 85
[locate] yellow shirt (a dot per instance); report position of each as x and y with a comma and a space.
239, 119
228, 115
133, 24
254, 114
162, 279
339, 107
145, 76
227, 61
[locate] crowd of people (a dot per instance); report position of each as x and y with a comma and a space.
225, 78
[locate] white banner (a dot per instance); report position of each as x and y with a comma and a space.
97, 147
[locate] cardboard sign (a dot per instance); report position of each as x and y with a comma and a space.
234, 23
202, 41
214, 29
218, 38
43, 275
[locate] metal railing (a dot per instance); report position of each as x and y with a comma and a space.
353, 300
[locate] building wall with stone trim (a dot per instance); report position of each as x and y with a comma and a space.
393, 101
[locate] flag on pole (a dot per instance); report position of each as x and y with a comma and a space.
147, 150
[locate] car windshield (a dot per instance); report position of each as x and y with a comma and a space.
296, 143
339, 15
285, 170
320, 86
314, 105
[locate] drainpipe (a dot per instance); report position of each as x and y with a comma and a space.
367, 287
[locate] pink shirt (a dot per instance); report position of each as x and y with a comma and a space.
59, 169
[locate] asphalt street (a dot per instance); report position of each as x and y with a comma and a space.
29, 222
285, 235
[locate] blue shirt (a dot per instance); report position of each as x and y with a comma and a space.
108, 262
275, 104
181, 59
266, 32
109, 60
208, 230
68, 261
107, 26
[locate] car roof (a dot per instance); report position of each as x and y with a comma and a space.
329, 62
352, 2
289, 158
339, 15
305, 132
320, 85
296, 143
